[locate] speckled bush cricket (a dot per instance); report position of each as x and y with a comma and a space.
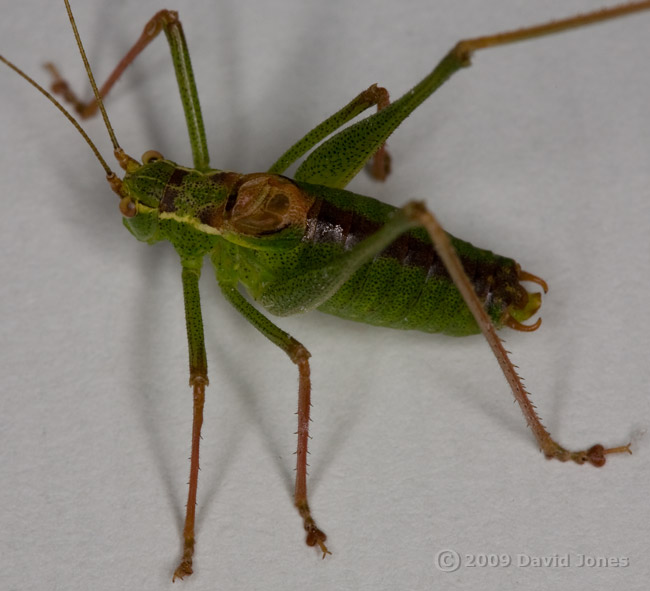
326, 183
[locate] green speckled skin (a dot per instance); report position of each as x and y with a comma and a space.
408, 290
384, 292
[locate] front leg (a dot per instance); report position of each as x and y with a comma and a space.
198, 382
166, 21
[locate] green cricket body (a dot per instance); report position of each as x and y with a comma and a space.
273, 234
304, 244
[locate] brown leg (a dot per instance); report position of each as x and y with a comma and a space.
161, 20
185, 566
595, 455
300, 356
198, 382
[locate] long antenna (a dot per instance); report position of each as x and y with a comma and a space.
116, 146
63, 110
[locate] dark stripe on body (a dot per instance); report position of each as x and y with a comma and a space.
214, 214
330, 224
171, 191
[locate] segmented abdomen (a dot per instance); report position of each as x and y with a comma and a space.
407, 286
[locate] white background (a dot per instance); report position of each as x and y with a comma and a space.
540, 151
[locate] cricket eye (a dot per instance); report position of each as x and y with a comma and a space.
151, 156
127, 207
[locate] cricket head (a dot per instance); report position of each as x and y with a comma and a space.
161, 200
141, 191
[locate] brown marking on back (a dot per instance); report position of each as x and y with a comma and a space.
329, 224
263, 204
213, 214
171, 191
